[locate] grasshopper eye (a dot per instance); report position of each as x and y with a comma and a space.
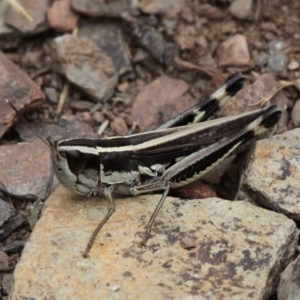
76, 161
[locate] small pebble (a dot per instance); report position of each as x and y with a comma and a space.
296, 113
187, 243
293, 65
241, 9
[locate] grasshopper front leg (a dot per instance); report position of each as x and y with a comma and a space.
111, 209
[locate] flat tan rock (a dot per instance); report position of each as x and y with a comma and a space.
237, 250
272, 174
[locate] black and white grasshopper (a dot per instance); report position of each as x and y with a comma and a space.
177, 153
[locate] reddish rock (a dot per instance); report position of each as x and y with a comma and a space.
234, 52
61, 17
16, 86
25, 168
4, 262
159, 101
119, 126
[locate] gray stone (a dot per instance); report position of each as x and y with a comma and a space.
85, 65
237, 245
277, 63
272, 174
289, 284
7, 283
145, 33
108, 36
5, 211
96, 8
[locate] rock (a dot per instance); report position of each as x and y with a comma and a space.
13, 247
5, 30
296, 113
108, 36
4, 262
37, 10
16, 86
237, 245
67, 129
289, 284
168, 7
293, 65
51, 94
277, 63
25, 168
145, 34
187, 243
12, 225
7, 283
252, 94
186, 37
85, 65
276, 46
234, 52
185, 42
61, 17
207, 62
5, 211
119, 126
261, 59
96, 8
159, 101
269, 26
81, 105
272, 174
241, 9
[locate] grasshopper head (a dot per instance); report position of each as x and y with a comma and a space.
73, 167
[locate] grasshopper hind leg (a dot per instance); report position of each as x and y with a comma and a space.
153, 217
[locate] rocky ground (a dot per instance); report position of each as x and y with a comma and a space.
97, 68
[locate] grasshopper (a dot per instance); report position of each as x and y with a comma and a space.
177, 153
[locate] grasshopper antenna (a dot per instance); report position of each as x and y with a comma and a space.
27, 124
